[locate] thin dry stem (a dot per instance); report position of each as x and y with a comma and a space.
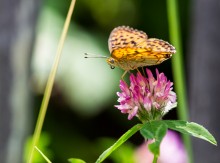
50, 83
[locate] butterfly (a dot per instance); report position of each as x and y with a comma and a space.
131, 48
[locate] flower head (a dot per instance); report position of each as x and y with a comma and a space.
147, 98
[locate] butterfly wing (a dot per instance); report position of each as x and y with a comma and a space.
159, 46
132, 48
126, 37
157, 51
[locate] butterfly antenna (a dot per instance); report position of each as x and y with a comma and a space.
87, 55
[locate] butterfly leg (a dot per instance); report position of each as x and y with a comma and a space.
138, 70
122, 77
143, 71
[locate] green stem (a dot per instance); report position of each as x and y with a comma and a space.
178, 69
155, 159
50, 83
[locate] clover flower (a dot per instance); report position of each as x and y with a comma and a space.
146, 97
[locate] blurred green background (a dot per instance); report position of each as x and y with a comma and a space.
81, 120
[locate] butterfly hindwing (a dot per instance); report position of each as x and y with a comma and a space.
159, 46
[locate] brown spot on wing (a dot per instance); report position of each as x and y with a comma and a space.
160, 46
126, 37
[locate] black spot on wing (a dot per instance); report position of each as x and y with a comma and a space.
134, 43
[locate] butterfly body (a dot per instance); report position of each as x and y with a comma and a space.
131, 48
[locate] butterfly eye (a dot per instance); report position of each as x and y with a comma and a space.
112, 61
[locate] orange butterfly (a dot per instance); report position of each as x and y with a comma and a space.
131, 48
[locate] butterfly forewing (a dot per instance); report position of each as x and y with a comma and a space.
126, 37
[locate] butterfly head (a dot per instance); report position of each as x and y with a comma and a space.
112, 62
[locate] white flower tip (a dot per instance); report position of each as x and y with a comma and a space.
169, 106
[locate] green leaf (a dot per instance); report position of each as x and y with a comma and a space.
160, 132
154, 130
148, 130
123, 154
76, 160
147, 133
119, 142
191, 128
